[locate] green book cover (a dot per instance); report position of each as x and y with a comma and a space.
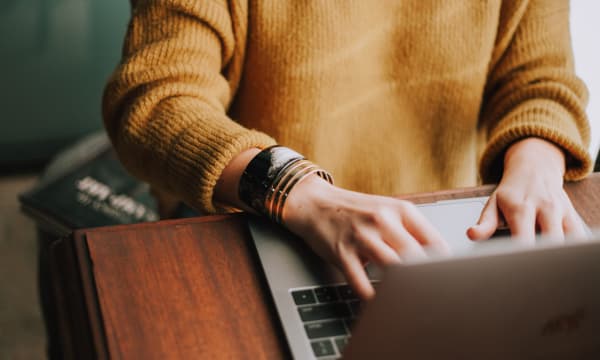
90, 189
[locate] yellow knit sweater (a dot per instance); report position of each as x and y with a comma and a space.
389, 96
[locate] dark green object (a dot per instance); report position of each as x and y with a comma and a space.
597, 167
86, 186
55, 57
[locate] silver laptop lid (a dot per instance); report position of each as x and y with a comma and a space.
506, 303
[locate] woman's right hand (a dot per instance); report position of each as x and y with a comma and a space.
350, 229
344, 227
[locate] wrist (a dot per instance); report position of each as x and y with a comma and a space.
227, 187
270, 176
306, 198
533, 153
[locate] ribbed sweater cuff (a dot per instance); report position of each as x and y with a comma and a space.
200, 160
183, 147
543, 119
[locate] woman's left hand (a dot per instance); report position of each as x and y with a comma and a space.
530, 195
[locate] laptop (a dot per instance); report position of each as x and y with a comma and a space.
491, 300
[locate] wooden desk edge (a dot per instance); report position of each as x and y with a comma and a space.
78, 312
468, 192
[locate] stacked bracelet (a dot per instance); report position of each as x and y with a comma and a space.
270, 177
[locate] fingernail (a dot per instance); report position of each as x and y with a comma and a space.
470, 235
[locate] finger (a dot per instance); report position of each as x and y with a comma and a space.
402, 242
424, 232
488, 221
521, 221
375, 249
356, 275
395, 235
573, 225
551, 223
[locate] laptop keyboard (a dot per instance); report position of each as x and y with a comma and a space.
327, 313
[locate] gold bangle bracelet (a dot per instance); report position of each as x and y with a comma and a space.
270, 177
318, 171
278, 185
285, 182
292, 180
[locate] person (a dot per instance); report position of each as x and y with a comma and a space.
387, 97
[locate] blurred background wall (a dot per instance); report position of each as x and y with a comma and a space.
585, 32
55, 56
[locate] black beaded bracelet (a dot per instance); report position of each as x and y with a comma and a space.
271, 175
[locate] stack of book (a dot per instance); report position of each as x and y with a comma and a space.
86, 186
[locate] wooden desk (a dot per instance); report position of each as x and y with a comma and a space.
189, 288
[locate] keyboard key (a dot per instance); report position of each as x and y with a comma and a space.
341, 343
324, 311
346, 293
325, 329
355, 307
322, 348
326, 294
303, 297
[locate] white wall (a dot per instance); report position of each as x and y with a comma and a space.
585, 32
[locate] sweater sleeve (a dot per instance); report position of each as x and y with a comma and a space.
532, 89
165, 105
